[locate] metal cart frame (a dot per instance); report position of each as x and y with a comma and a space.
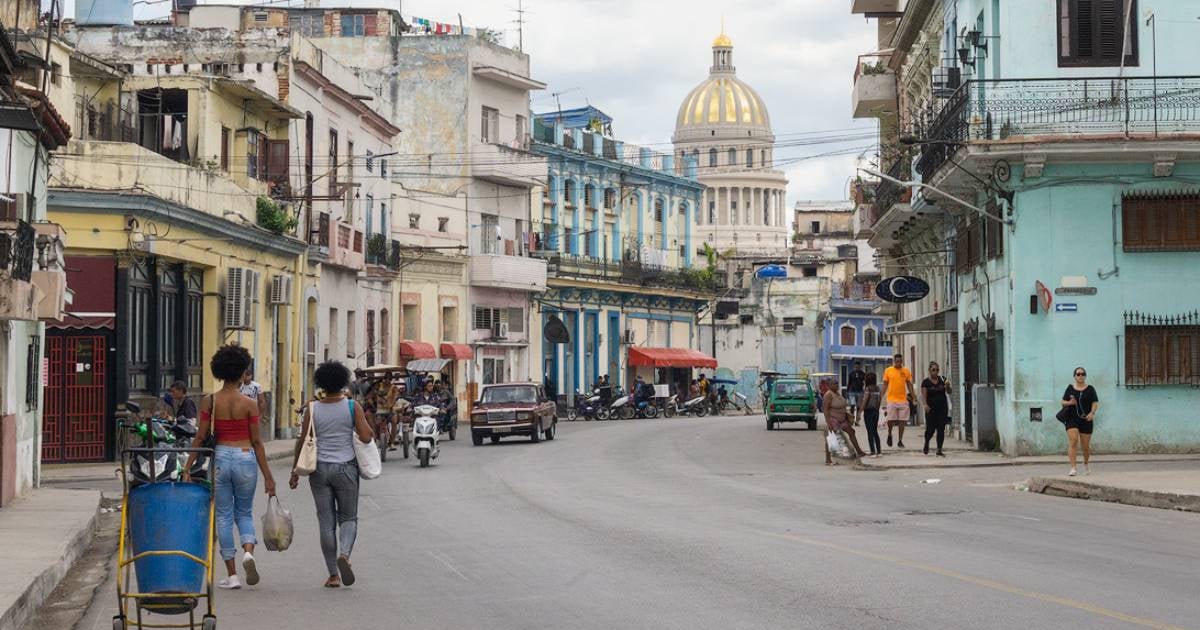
126, 558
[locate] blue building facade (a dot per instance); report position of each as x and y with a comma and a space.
853, 333
616, 226
1077, 247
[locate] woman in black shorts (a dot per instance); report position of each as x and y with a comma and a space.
1081, 403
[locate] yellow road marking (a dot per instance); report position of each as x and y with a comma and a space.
984, 582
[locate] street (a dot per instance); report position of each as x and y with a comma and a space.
717, 523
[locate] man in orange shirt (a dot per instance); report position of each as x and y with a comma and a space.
898, 385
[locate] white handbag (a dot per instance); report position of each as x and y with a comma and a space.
370, 465
306, 462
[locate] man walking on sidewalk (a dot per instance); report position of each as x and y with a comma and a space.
898, 383
855, 387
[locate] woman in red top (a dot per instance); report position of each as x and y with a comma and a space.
239, 456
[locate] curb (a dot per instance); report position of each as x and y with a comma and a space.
40, 588
1009, 462
1127, 496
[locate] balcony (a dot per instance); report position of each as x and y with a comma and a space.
508, 165
633, 273
1047, 111
853, 296
382, 255
19, 296
95, 164
340, 244
519, 273
875, 8
874, 88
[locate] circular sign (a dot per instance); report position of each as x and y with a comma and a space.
902, 289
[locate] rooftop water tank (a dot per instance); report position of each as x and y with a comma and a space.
104, 12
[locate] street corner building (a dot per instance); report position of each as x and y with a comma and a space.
625, 280
33, 288
1041, 176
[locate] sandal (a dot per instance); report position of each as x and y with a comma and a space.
333, 582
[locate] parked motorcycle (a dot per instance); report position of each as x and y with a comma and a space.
588, 407
626, 407
697, 406
169, 438
671, 406
426, 432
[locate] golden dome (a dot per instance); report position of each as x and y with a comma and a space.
722, 100
723, 41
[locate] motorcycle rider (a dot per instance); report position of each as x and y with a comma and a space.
429, 396
449, 404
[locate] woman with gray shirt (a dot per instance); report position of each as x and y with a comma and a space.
335, 419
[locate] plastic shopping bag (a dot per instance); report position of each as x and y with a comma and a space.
370, 464
838, 446
277, 528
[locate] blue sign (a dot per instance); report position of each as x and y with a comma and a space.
1066, 307
902, 289
771, 271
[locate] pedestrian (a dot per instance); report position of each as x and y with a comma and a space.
854, 387
1081, 404
935, 396
239, 451
335, 419
870, 403
179, 403
837, 419
898, 385
252, 390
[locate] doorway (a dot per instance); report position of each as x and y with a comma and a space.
76, 401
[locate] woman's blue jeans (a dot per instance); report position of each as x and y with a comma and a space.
237, 479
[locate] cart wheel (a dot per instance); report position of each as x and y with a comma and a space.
119, 623
453, 430
404, 446
210, 623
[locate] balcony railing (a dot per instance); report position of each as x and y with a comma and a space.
1057, 109
634, 273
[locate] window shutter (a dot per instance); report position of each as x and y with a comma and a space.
1084, 24
1110, 28
960, 250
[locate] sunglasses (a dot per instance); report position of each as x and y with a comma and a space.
1081, 374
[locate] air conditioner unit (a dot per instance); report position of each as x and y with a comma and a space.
240, 295
628, 338
500, 330
281, 289
789, 328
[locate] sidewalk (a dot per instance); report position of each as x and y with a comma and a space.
912, 459
75, 473
41, 535
1165, 490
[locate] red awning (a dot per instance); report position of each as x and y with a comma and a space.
670, 357
456, 351
416, 350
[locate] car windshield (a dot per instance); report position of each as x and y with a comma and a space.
791, 390
509, 394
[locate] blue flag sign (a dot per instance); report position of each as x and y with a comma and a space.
902, 289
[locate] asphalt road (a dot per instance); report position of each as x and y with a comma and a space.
717, 523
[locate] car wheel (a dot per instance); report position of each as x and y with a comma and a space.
495, 439
812, 425
476, 439
550, 432
536, 436
770, 425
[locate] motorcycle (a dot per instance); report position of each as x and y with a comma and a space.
425, 433
169, 439
588, 407
671, 406
626, 407
696, 406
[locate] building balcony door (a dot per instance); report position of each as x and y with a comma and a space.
74, 425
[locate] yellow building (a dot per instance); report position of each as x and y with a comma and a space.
180, 248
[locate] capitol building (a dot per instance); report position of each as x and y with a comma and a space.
723, 126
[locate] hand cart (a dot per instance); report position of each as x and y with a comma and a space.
167, 534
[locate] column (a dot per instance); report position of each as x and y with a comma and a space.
597, 224
669, 210
577, 218
687, 233
619, 207
555, 210
641, 218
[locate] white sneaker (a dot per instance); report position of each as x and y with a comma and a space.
1072, 473
232, 582
251, 570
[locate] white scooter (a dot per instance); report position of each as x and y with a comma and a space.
425, 433
697, 406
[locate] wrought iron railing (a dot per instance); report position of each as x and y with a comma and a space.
634, 273
1054, 109
1162, 349
887, 192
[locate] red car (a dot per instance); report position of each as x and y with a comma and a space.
506, 409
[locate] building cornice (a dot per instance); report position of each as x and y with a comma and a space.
155, 208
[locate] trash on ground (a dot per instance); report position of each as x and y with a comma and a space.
931, 481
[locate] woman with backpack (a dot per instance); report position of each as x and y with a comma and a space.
334, 419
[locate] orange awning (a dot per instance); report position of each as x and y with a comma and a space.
456, 351
416, 350
670, 357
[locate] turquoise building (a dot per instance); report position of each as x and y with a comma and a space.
1057, 151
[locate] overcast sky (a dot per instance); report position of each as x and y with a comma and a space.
637, 59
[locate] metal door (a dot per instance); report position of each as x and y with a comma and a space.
74, 424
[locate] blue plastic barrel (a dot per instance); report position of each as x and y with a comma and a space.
169, 516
